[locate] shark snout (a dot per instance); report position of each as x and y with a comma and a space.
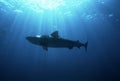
30, 39
33, 40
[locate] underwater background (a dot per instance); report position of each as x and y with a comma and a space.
95, 21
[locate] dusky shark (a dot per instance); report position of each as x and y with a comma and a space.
55, 41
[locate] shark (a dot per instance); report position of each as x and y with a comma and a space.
55, 41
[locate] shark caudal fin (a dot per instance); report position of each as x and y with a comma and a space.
81, 44
86, 45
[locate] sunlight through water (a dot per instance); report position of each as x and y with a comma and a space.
53, 4
41, 5
46, 4
54, 13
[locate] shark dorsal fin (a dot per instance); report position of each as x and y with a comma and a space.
55, 34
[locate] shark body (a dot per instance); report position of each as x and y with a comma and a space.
55, 41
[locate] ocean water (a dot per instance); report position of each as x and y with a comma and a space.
95, 21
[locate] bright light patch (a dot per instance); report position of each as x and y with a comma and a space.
18, 11
39, 6
53, 4
44, 4
38, 36
48, 4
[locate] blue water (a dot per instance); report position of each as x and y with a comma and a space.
97, 22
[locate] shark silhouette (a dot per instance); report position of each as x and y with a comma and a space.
55, 41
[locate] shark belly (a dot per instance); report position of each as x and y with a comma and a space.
60, 43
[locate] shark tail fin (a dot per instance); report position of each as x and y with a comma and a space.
86, 45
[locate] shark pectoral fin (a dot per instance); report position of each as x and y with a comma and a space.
45, 48
70, 47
